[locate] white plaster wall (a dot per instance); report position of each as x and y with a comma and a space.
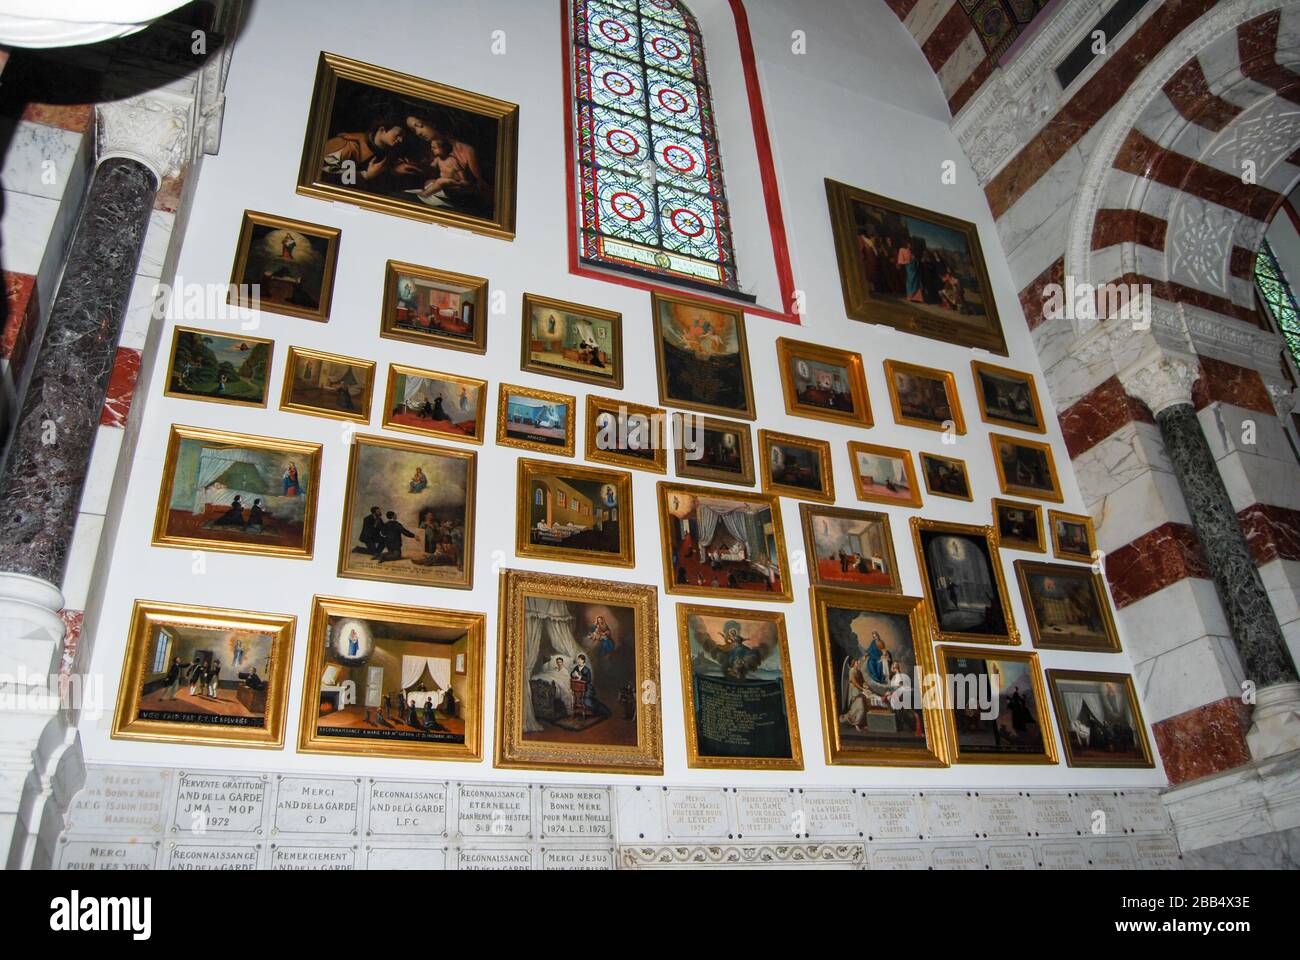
861, 106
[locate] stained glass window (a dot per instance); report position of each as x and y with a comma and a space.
1276, 292
650, 192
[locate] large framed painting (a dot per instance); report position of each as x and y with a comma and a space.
723, 543
736, 684
1099, 718
961, 574
625, 434
798, 467
702, 356
324, 385
440, 405
945, 476
1026, 468
1008, 398
434, 307
873, 655
1019, 525
284, 266
884, 475
1072, 536
924, 397
220, 367
238, 494
578, 514
712, 450
398, 144
996, 708
849, 549
408, 514
536, 420
823, 383
913, 269
203, 675
393, 681
578, 675
1067, 607
573, 342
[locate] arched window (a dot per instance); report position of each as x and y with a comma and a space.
650, 193
1276, 293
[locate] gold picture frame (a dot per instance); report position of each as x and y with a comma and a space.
606, 413
529, 361
986, 375
1047, 613
514, 429
790, 352
700, 428
631, 744
771, 443
1061, 546
486, 167
700, 358
389, 733
949, 658
541, 493
285, 273
1077, 754
933, 484
733, 664
858, 570
176, 380
181, 623
951, 613
406, 318
879, 457
279, 530
1013, 486
839, 654
1006, 538
894, 369
290, 401
408, 421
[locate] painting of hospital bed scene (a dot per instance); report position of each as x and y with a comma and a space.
434, 307
721, 544
536, 420
574, 513
212, 366
997, 711
1099, 718
435, 404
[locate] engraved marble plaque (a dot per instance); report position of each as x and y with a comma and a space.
765, 813
1012, 856
312, 857
219, 803
121, 800
1144, 812
111, 854
697, 814
1051, 815
1087, 806
1063, 855
1001, 814
948, 815
495, 858
957, 858
317, 805
830, 813
576, 811
381, 857
1113, 855
214, 856
899, 858
577, 858
407, 808
892, 816
1158, 853
494, 810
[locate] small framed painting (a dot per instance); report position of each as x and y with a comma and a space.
284, 266
573, 342
434, 307
823, 383
536, 420
1008, 722
702, 356
1019, 525
718, 451
219, 367
324, 385
434, 404
945, 476
737, 687
965, 593
202, 675
849, 549
238, 494
1067, 607
1025, 468
884, 475
924, 397
575, 656
1072, 536
381, 682
1100, 720
578, 514
1008, 398
626, 434
796, 466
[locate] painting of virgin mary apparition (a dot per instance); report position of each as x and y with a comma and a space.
996, 707
702, 356
324, 385
571, 341
850, 549
1101, 724
287, 263
434, 404
963, 582
574, 513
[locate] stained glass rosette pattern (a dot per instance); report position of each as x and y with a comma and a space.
651, 197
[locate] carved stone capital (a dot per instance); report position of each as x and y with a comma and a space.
1161, 381
1285, 397
154, 129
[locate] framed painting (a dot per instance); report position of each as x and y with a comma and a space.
884, 475
238, 494
1099, 718
324, 385
702, 356
873, 655
924, 397
626, 434
913, 269
1067, 607
736, 684
578, 514
798, 467
1025, 468
961, 574
409, 147
996, 709
1072, 536
382, 681
434, 404
284, 266
1008, 398
572, 698
945, 476
1019, 525
204, 675
573, 342
408, 514
219, 367
536, 420
823, 383
434, 307
717, 451
849, 549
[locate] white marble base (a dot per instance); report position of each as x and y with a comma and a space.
1275, 724
1255, 801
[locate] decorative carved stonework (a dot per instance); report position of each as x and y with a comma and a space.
153, 129
1161, 382
1200, 243
737, 855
